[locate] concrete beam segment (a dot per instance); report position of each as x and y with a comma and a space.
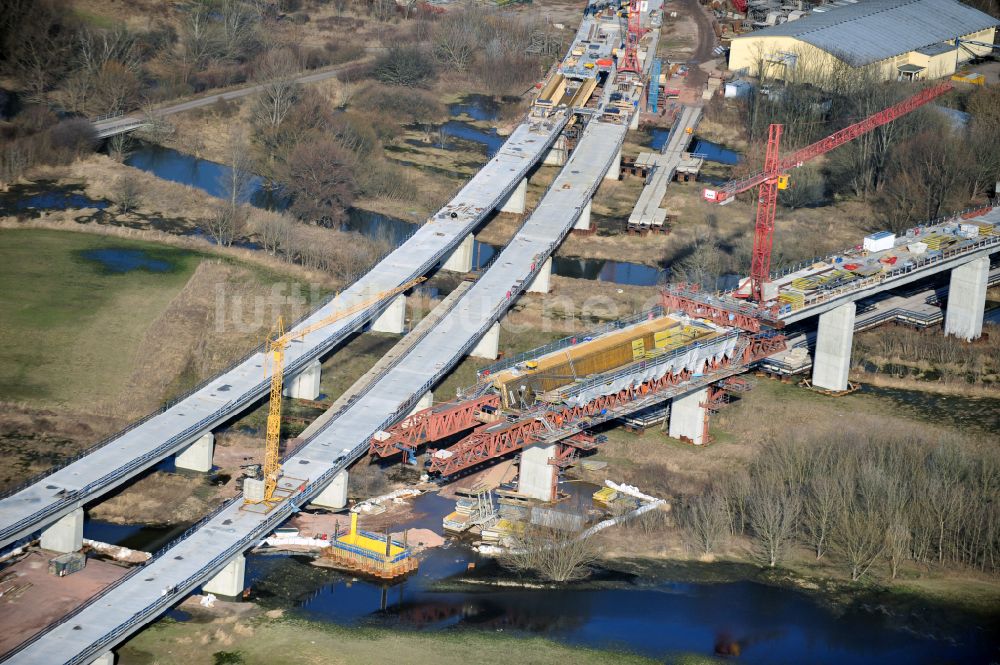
687, 416
557, 154
536, 477
426, 401
515, 202
393, 319
489, 346
106, 658
65, 535
305, 385
334, 496
460, 259
967, 299
230, 580
834, 338
583, 222
197, 456
542, 281
615, 172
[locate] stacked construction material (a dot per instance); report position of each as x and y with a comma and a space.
937, 241
794, 299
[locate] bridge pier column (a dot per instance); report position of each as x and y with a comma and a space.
106, 658
197, 456
634, 122
66, 534
489, 346
688, 416
426, 401
334, 495
515, 202
230, 580
834, 338
536, 477
615, 171
967, 299
557, 154
393, 319
305, 385
460, 260
583, 221
541, 282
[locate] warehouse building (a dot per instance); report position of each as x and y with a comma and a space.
897, 39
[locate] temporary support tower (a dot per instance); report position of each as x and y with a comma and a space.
630, 61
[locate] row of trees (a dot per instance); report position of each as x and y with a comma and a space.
867, 501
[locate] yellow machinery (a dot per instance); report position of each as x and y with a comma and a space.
276, 347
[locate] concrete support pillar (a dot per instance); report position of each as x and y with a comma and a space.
967, 299
460, 259
557, 154
197, 456
66, 534
106, 658
634, 123
537, 477
334, 495
393, 319
426, 401
834, 338
305, 385
515, 202
489, 346
688, 416
583, 222
230, 580
541, 281
615, 172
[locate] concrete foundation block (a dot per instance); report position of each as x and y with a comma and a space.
516, 201
583, 221
460, 259
557, 154
489, 346
393, 319
197, 456
253, 489
615, 172
426, 401
542, 281
967, 299
305, 385
537, 477
230, 581
334, 495
66, 534
688, 416
834, 338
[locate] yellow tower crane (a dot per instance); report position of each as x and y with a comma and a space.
276, 347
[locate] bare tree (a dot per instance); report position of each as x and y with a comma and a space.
821, 510
773, 509
275, 70
236, 180
455, 44
705, 521
860, 532
120, 146
560, 552
126, 193
319, 176
273, 230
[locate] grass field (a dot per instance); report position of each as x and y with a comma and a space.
262, 640
71, 327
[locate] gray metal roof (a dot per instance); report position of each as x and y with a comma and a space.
874, 30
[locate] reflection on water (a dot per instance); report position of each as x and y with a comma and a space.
138, 537
712, 152
477, 107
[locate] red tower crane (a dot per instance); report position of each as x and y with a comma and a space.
630, 61
774, 177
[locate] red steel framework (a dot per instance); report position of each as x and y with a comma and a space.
630, 61
504, 438
775, 166
431, 424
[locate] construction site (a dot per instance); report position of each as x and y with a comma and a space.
479, 474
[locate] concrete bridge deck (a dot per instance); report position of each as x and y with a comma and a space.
179, 569
145, 443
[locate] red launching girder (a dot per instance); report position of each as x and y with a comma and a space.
721, 316
431, 425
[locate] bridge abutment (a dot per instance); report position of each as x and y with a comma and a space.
489, 346
334, 495
106, 658
834, 338
541, 283
460, 260
393, 319
688, 416
536, 477
967, 299
197, 456
515, 202
66, 534
305, 385
230, 581
583, 221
